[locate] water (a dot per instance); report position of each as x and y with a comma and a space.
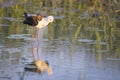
77, 46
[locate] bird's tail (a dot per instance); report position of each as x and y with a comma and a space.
25, 15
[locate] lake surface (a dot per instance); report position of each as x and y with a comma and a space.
80, 44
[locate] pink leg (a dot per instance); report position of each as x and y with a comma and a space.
32, 43
38, 43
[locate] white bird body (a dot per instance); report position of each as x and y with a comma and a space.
44, 22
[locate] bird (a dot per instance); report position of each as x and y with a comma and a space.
37, 21
31, 20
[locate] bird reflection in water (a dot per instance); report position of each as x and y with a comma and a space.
43, 66
39, 66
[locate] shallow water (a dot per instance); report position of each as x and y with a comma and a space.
75, 50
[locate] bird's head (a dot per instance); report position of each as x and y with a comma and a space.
50, 19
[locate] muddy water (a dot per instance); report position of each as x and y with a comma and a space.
71, 52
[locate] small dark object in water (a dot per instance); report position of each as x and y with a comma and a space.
31, 20
47, 62
30, 69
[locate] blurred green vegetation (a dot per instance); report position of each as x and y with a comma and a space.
97, 20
